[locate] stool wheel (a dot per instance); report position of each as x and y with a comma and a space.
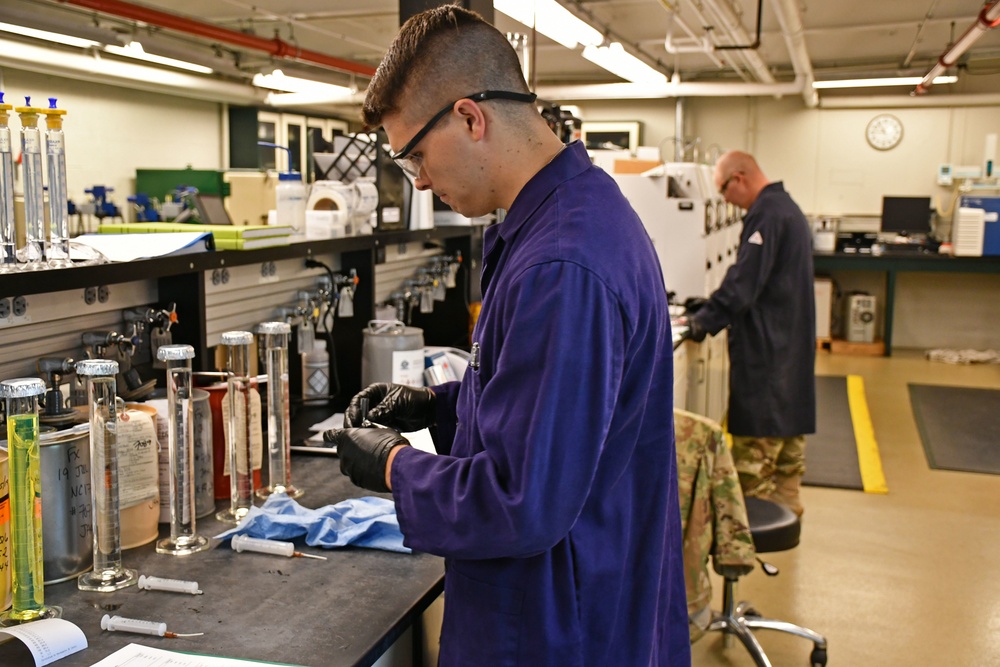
818, 657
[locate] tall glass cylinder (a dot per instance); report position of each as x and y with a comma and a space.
32, 255
25, 472
239, 437
8, 233
55, 150
274, 344
183, 538
108, 574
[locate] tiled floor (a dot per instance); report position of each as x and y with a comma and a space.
909, 578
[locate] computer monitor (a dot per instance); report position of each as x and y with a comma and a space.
906, 216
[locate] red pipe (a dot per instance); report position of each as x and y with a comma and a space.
276, 47
988, 19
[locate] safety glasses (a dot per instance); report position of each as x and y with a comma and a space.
411, 163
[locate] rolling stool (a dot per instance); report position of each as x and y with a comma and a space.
774, 528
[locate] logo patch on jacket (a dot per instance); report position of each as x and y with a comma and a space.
756, 238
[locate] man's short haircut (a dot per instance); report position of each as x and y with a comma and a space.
440, 55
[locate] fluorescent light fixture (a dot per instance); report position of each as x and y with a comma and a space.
277, 80
620, 62
552, 20
134, 50
48, 36
871, 83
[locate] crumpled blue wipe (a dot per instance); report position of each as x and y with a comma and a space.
362, 522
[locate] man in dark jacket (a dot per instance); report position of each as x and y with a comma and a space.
767, 301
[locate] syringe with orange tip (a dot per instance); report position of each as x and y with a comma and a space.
276, 547
155, 628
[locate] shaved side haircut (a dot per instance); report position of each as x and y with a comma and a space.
438, 56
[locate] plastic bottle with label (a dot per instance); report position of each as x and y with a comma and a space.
290, 195
316, 374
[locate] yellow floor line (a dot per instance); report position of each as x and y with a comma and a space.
869, 460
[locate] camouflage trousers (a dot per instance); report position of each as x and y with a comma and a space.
759, 460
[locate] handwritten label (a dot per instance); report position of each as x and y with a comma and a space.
73, 475
138, 471
204, 472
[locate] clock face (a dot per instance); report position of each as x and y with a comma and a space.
884, 132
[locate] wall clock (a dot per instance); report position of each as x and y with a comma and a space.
884, 132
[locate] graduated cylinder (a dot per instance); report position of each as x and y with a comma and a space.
27, 577
239, 435
105, 407
183, 538
274, 345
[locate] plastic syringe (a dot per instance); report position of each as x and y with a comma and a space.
246, 543
155, 628
173, 585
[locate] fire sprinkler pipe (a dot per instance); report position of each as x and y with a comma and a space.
988, 18
275, 47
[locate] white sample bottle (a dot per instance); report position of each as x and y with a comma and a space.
290, 195
316, 374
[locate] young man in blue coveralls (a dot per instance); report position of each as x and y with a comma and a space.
553, 496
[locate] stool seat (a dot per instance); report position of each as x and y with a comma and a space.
774, 527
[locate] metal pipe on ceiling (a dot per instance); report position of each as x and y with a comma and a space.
988, 18
723, 15
790, 21
275, 47
742, 71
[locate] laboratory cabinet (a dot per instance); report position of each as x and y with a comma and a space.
44, 313
707, 381
696, 236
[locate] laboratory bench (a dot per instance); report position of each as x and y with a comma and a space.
891, 265
342, 612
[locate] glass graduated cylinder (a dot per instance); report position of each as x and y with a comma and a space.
24, 461
183, 538
8, 234
33, 252
108, 574
279, 443
239, 436
55, 146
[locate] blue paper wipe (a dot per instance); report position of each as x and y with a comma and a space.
362, 522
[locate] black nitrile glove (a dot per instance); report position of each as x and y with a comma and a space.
364, 453
693, 304
397, 406
696, 332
